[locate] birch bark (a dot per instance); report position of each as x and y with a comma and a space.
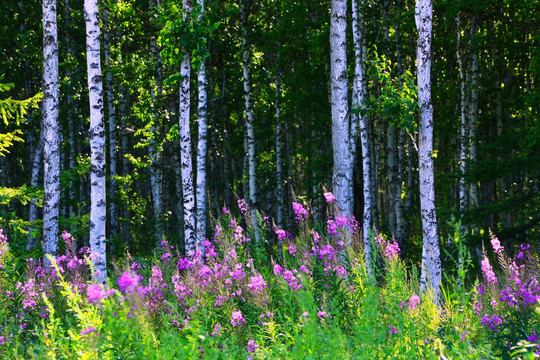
342, 178
113, 230
279, 154
98, 209
51, 131
185, 150
248, 110
463, 203
430, 279
360, 84
473, 117
201, 145
154, 154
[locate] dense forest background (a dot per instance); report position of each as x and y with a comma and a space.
485, 68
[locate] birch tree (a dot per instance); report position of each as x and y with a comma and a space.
248, 112
360, 86
112, 125
431, 263
154, 154
185, 149
201, 143
279, 155
98, 207
463, 204
51, 130
342, 177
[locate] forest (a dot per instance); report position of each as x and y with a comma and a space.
241, 179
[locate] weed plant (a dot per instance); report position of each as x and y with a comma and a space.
302, 296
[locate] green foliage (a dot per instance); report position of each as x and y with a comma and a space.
11, 109
397, 101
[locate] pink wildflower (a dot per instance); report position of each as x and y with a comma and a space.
237, 318
329, 197
127, 282
413, 301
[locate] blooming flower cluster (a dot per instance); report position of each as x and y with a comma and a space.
487, 270
301, 213
390, 250
237, 318
243, 206
3, 247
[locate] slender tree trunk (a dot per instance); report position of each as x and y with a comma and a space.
185, 150
248, 106
279, 154
155, 155
51, 131
98, 209
360, 85
431, 262
201, 145
124, 144
179, 194
474, 106
113, 230
342, 178
70, 106
34, 181
463, 191
401, 134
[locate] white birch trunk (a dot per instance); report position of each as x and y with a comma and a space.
248, 110
98, 209
360, 85
474, 106
154, 153
112, 126
70, 106
51, 131
201, 146
430, 279
279, 154
179, 189
401, 133
124, 143
342, 178
33, 209
463, 203
185, 150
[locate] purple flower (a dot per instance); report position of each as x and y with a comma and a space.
238, 272
94, 293
487, 270
392, 251
127, 282
278, 270
492, 322
533, 338
496, 244
244, 208
216, 328
87, 331
257, 282
413, 301
323, 314
301, 213
329, 197
392, 330
237, 318
251, 346
292, 249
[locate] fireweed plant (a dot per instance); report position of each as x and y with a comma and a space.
300, 293
506, 303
